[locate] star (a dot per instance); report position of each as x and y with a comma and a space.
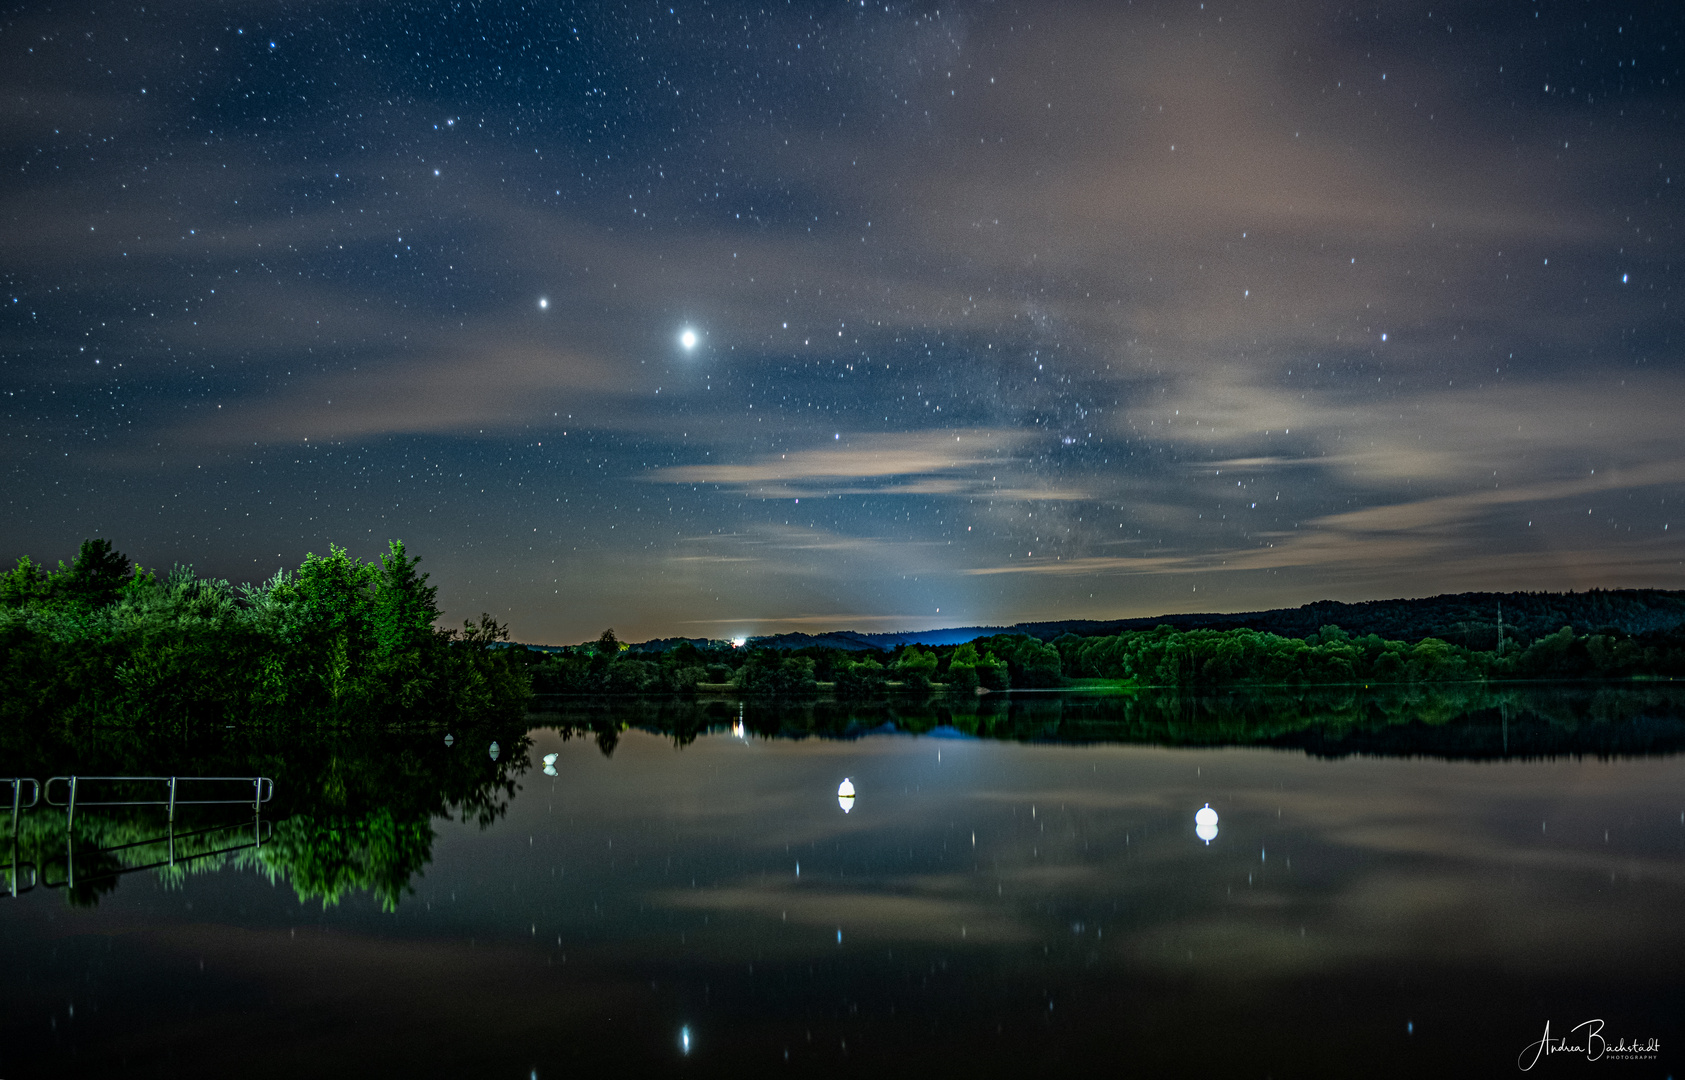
688, 339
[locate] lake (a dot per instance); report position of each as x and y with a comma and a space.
1393, 885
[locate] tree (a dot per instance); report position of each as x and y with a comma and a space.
915, 668
962, 668
325, 617
95, 578
405, 609
23, 585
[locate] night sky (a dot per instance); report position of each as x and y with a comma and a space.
999, 311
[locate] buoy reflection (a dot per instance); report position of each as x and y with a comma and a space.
1205, 823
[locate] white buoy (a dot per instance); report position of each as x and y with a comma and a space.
1205, 823
550, 759
845, 795
495, 750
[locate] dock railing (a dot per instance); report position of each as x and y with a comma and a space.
262, 831
263, 789
14, 872
99, 791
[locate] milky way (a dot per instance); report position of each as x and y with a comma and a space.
999, 312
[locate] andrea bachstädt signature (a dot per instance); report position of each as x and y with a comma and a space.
1593, 1045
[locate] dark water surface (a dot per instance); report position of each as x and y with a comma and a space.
1394, 889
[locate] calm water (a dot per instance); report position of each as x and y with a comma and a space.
1401, 897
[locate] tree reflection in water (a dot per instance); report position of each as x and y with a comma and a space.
354, 811
1454, 721
351, 812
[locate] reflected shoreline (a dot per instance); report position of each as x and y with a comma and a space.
356, 812
1474, 721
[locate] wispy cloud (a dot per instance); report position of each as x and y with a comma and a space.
860, 457
1444, 532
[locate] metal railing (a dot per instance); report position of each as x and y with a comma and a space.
17, 783
262, 832
14, 872
263, 789
75, 793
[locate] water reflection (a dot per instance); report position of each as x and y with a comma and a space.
356, 814
1031, 899
1471, 722
1205, 823
350, 815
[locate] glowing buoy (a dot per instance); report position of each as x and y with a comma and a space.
1205, 823
495, 750
845, 795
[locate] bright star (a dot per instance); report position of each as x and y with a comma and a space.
543, 303
688, 339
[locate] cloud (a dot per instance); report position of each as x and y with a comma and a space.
1514, 431
1444, 534
492, 385
862, 457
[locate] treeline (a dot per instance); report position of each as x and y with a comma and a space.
608, 666
1473, 620
1216, 658
338, 639
1162, 657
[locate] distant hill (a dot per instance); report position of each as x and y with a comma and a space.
1462, 618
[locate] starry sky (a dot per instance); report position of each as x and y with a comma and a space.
995, 311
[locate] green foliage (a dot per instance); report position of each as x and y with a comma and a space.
915, 669
1030, 663
1208, 658
769, 675
353, 810
860, 678
338, 639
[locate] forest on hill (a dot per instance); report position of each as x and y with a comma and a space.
1467, 619
1159, 657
